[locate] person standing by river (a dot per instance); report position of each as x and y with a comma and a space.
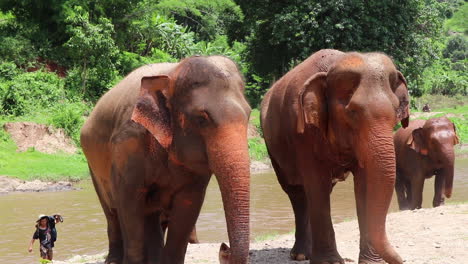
47, 235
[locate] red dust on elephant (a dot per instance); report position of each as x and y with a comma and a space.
152, 143
333, 114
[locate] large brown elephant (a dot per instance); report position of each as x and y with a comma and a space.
333, 114
152, 143
422, 150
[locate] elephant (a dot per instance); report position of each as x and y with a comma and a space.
331, 115
152, 143
423, 149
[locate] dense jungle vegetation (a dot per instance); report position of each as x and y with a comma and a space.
57, 57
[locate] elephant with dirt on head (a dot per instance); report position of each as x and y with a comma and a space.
152, 143
330, 115
424, 149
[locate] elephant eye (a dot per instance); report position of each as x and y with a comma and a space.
202, 118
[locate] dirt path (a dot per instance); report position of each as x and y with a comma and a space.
427, 236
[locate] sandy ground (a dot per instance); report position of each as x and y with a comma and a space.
426, 236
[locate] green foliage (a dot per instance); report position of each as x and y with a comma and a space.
8, 70
154, 30
458, 22
255, 89
457, 48
280, 34
206, 18
440, 78
257, 149
69, 116
14, 46
94, 53
28, 91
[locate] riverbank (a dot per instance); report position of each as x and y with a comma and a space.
8, 184
12, 184
426, 236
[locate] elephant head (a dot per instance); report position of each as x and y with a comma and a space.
355, 106
198, 113
435, 139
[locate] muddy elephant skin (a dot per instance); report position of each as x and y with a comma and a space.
424, 149
152, 143
330, 115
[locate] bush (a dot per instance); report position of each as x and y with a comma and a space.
8, 70
29, 91
457, 48
129, 61
442, 78
69, 117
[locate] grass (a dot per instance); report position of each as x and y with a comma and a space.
31, 164
267, 236
257, 149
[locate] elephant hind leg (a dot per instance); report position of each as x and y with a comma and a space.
114, 233
401, 191
302, 248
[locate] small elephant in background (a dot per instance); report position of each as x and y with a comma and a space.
424, 149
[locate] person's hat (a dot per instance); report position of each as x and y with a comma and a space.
39, 218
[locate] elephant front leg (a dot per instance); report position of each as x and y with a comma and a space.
130, 199
303, 245
318, 186
367, 253
115, 255
417, 188
154, 238
185, 209
439, 185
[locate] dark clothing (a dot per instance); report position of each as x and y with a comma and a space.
44, 236
47, 236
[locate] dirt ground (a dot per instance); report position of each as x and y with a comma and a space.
426, 236
40, 137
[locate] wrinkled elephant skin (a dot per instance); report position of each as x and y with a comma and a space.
330, 115
152, 143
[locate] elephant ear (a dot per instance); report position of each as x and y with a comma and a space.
312, 106
151, 110
401, 91
416, 141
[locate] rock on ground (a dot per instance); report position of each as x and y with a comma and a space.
426, 236
8, 184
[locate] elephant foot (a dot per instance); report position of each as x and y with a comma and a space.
369, 256
299, 252
114, 259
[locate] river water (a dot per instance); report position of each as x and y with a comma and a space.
84, 228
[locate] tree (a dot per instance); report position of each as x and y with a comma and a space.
93, 51
280, 34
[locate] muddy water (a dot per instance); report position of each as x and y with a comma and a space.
84, 229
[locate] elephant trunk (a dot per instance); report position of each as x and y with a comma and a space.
448, 170
229, 160
379, 166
